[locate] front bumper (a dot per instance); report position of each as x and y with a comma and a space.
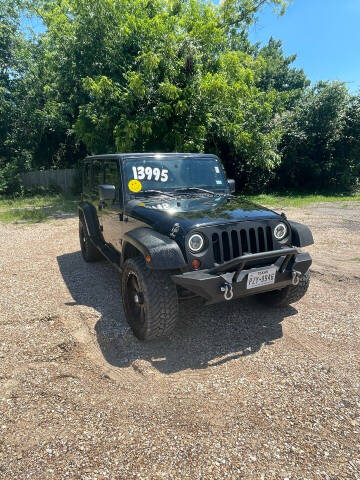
215, 284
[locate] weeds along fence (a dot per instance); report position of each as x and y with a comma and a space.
65, 178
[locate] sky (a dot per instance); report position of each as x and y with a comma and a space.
325, 35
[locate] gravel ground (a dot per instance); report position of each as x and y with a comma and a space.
238, 392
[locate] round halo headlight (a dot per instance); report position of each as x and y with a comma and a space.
280, 231
196, 242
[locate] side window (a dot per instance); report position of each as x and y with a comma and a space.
111, 174
97, 176
112, 178
86, 177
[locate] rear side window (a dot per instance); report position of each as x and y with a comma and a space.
86, 177
97, 176
111, 174
111, 177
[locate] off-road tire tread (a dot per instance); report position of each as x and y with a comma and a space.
90, 253
288, 295
161, 298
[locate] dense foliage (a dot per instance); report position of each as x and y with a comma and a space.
320, 145
168, 75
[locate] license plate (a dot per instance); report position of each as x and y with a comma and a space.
261, 278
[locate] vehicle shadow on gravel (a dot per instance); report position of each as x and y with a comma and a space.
205, 336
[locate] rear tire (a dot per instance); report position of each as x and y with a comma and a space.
288, 295
150, 300
89, 252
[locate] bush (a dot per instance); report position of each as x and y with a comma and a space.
320, 146
10, 181
40, 190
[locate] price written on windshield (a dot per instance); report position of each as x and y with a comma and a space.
150, 173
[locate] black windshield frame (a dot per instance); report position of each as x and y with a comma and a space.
128, 162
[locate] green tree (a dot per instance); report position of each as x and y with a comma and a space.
161, 75
279, 74
315, 146
346, 166
11, 68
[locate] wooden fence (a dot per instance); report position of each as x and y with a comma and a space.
63, 178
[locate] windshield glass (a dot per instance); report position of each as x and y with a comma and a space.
170, 173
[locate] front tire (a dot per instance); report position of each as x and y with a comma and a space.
288, 295
150, 300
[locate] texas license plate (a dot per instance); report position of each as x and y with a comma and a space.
261, 278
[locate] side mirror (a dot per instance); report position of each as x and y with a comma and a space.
107, 192
231, 185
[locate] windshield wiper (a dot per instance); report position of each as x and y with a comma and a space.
194, 189
156, 192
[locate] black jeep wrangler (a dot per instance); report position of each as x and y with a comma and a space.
170, 224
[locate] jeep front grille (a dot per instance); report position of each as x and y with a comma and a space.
231, 244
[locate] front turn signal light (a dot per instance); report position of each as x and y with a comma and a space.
195, 264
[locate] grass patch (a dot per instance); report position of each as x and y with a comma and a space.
36, 209
34, 201
22, 216
356, 259
293, 200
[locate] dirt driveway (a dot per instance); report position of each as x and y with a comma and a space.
238, 392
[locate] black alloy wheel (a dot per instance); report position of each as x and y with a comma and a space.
149, 298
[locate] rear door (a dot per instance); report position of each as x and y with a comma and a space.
111, 212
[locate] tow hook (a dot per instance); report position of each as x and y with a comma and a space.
295, 278
228, 291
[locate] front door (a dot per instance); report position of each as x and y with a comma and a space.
111, 212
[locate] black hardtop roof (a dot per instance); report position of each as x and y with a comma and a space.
120, 156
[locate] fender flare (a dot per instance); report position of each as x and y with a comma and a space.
301, 235
89, 214
164, 252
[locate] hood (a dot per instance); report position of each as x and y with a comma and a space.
193, 212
